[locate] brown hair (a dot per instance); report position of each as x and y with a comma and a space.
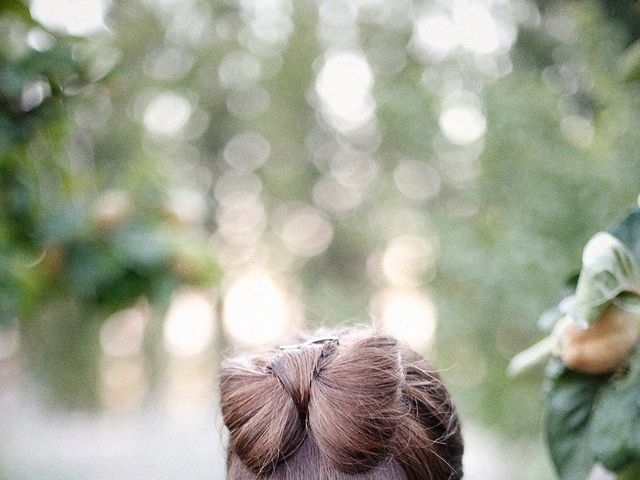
361, 406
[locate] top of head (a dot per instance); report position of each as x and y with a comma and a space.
361, 406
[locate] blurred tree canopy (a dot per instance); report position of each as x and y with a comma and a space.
76, 245
317, 139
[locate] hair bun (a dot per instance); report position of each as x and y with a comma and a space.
353, 409
295, 369
263, 421
368, 407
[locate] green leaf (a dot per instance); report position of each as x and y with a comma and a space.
17, 7
628, 232
570, 403
141, 245
630, 63
63, 226
630, 473
614, 435
608, 269
90, 266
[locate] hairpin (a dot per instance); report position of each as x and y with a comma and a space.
314, 341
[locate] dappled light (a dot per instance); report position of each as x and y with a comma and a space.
189, 326
409, 315
256, 310
181, 180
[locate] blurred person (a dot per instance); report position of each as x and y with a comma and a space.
358, 405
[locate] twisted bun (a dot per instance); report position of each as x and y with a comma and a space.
354, 411
367, 407
296, 370
263, 424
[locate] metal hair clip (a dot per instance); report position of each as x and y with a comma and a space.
313, 341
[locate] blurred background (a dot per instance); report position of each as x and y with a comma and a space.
181, 180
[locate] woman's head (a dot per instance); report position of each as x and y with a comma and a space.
357, 406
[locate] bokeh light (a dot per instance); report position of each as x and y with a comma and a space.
122, 333
256, 311
409, 315
306, 232
182, 179
70, 16
167, 114
408, 259
461, 119
247, 151
344, 86
189, 325
9, 341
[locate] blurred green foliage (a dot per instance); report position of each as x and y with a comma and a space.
72, 249
88, 216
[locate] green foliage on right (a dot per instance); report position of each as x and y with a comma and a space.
614, 436
569, 408
596, 418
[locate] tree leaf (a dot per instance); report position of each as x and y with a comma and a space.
628, 232
608, 269
141, 245
630, 473
570, 403
614, 435
630, 63
19, 8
